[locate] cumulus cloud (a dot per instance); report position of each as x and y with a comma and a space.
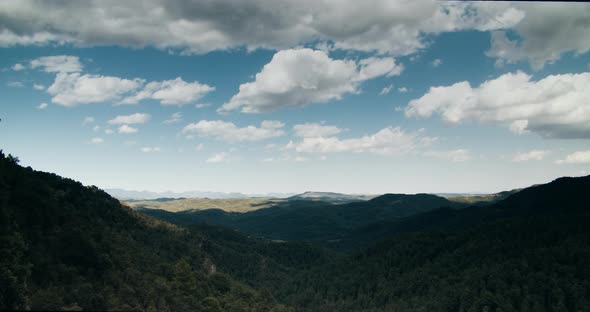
387, 141
42, 106
58, 64
458, 155
528, 156
384, 26
310, 130
126, 129
402, 90
170, 92
218, 158
38, 87
137, 118
373, 67
556, 106
71, 89
436, 62
546, 32
176, 117
18, 67
581, 157
300, 77
227, 131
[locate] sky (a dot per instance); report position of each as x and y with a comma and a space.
290, 96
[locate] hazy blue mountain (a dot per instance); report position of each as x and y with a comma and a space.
127, 195
330, 197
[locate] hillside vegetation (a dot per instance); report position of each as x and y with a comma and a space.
312, 220
65, 246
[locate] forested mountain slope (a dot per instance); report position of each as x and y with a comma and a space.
312, 220
526, 253
65, 246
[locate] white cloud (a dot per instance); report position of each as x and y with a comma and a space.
42, 106
547, 31
581, 157
87, 120
15, 84
137, 118
73, 89
402, 90
58, 64
126, 129
527, 156
149, 149
170, 92
227, 131
176, 117
202, 105
296, 78
272, 124
96, 128
375, 67
556, 106
218, 158
392, 27
310, 130
199, 147
38, 87
96, 140
300, 77
18, 67
109, 131
436, 62
387, 141
10, 38
458, 155
386, 90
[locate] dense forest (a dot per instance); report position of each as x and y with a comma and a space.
65, 246
317, 221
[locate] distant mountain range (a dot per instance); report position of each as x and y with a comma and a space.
122, 194
305, 219
330, 197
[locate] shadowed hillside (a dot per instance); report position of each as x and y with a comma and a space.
312, 220
65, 246
526, 253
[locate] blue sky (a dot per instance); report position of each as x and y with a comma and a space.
390, 96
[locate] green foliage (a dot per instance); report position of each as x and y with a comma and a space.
64, 246
316, 221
